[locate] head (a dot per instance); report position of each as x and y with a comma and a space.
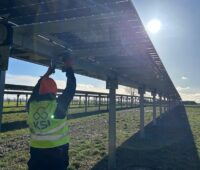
47, 85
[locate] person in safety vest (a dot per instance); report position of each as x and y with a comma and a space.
49, 134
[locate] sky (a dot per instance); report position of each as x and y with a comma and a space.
177, 44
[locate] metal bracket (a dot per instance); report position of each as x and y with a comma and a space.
6, 33
4, 57
6, 39
141, 90
153, 93
112, 81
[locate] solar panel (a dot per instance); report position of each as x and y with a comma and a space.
104, 36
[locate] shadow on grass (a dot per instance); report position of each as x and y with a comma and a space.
167, 146
13, 126
22, 124
9, 126
16, 111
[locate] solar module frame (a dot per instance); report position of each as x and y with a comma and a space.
94, 31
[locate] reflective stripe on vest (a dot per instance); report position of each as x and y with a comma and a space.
52, 130
48, 137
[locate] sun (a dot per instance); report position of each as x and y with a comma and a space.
154, 26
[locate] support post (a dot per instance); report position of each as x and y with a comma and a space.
88, 99
135, 102
112, 84
107, 102
6, 33
173, 103
160, 103
126, 101
86, 102
131, 101
121, 102
169, 104
2, 85
96, 99
79, 100
99, 102
26, 101
141, 91
165, 101
154, 106
17, 104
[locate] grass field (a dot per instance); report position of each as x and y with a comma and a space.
89, 140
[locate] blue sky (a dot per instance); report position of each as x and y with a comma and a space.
177, 43
21, 72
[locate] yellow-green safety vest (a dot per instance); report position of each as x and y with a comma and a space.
45, 130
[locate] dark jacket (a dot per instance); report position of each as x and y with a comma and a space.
63, 100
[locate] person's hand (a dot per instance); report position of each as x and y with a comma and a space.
50, 71
68, 62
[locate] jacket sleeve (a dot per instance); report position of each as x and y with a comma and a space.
66, 97
34, 94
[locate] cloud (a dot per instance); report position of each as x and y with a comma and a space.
189, 94
183, 88
184, 78
186, 92
21, 79
191, 97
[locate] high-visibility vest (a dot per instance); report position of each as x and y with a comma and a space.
45, 130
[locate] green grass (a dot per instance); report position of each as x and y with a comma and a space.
194, 119
74, 108
89, 139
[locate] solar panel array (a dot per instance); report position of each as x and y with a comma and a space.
104, 37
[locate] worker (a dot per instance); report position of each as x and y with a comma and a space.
49, 133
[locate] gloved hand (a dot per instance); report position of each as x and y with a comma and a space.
50, 71
68, 62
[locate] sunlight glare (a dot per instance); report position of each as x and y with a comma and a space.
154, 26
